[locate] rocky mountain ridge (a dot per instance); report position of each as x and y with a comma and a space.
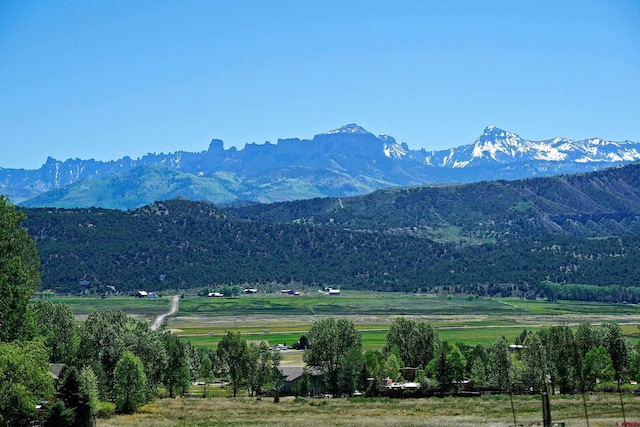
343, 162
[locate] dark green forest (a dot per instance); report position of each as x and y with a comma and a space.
181, 244
598, 204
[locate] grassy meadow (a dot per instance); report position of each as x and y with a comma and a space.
147, 308
602, 410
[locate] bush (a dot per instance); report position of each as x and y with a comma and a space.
105, 410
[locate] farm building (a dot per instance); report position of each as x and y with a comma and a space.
142, 294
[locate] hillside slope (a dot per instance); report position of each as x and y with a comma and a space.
595, 204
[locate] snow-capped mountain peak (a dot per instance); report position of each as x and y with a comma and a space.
349, 129
498, 146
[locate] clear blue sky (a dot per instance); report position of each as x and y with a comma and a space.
106, 79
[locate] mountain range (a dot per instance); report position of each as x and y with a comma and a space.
343, 162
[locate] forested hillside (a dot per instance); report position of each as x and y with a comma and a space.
597, 204
182, 244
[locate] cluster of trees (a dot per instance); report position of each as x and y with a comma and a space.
254, 366
195, 244
554, 357
107, 358
113, 358
579, 292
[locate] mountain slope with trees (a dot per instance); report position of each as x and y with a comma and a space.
180, 244
595, 204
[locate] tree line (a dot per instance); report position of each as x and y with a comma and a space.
555, 359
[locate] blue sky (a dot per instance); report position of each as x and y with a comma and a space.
102, 80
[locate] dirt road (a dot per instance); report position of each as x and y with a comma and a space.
175, 304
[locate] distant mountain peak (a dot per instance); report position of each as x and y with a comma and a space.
349, 129
494, 131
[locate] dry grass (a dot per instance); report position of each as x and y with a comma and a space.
603, 410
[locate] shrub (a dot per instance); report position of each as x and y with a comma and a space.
105, 410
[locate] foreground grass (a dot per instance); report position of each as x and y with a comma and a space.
602, 410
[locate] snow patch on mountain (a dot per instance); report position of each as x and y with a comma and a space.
394, 151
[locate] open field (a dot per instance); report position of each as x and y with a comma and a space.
147, 308
602, 410
281, 318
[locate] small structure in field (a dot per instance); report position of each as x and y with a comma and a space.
294, 375
142, 294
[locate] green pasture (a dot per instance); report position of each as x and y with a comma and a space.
349, 303
571, 308
374, 339
143, 307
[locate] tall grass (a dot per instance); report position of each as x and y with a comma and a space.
603, 410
